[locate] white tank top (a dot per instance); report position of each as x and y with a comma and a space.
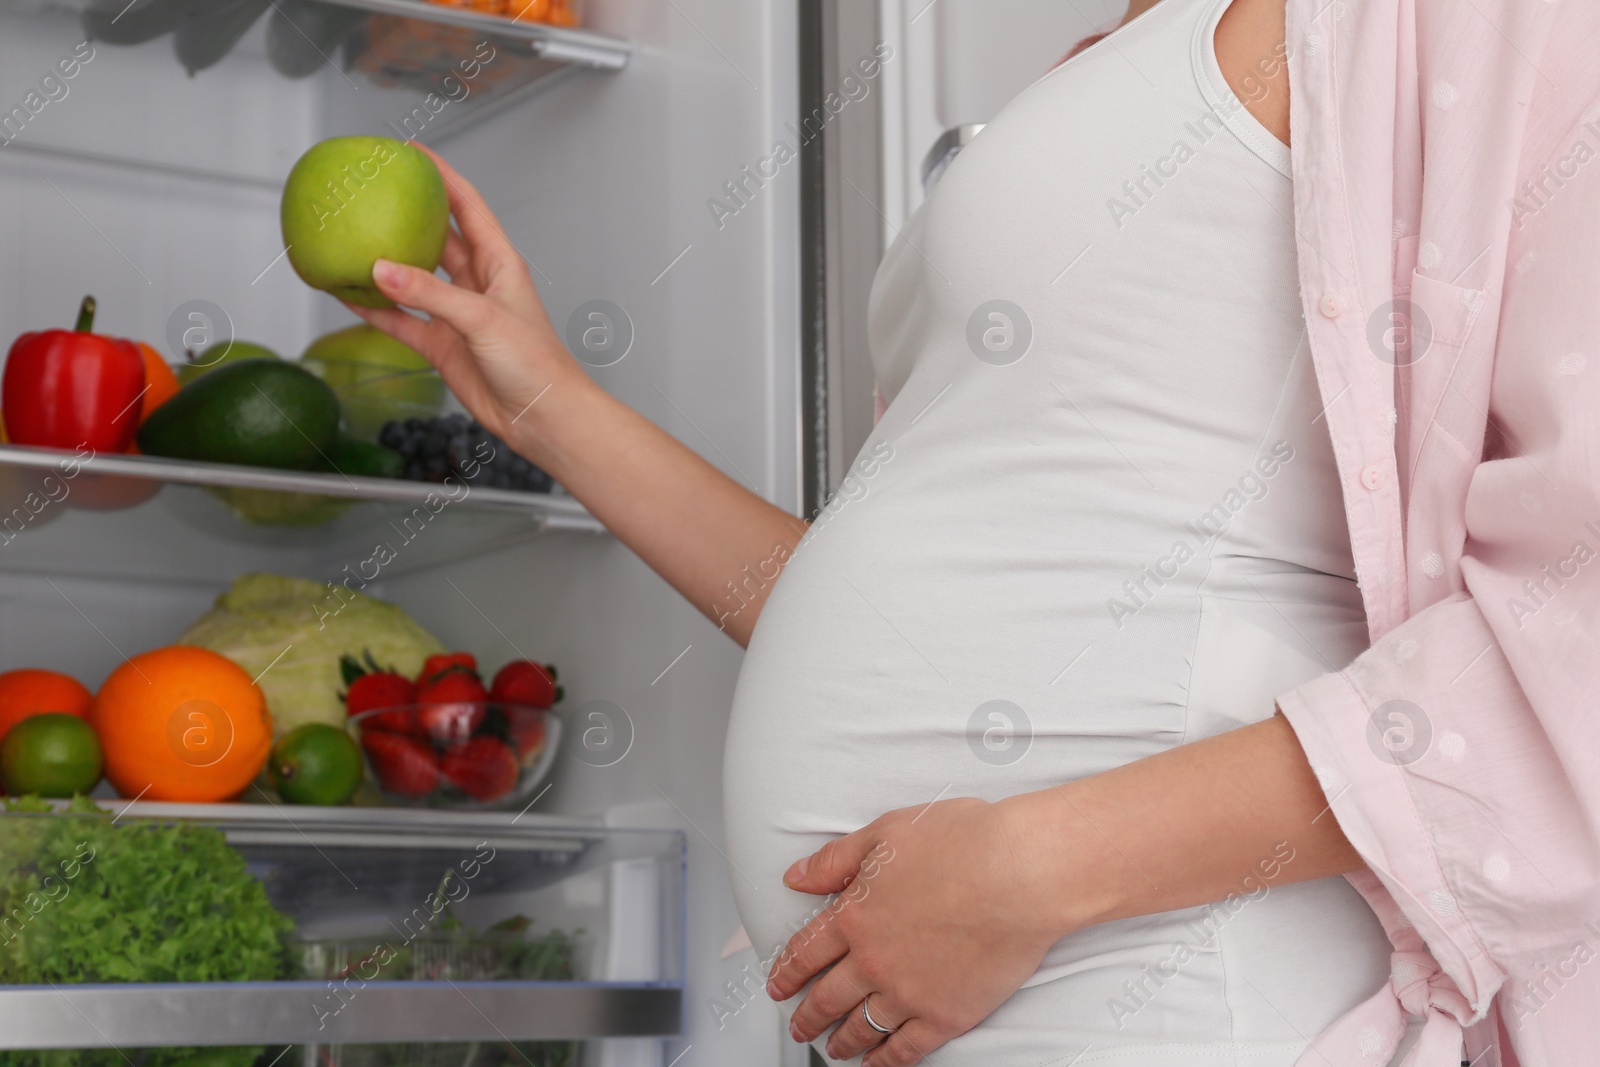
1100, 518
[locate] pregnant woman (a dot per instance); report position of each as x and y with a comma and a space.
1062, 724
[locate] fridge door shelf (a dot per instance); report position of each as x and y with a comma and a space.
550, 511
582, 922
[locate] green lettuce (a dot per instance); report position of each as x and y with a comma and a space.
83, 899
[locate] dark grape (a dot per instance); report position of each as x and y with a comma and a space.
435, 449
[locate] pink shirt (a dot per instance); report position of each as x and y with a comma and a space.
1447, 206
1447, 188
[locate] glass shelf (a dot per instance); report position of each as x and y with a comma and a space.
410, 45
593, 947
559, 44
102, 483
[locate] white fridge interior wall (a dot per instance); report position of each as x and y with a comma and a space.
150, 189
144, 187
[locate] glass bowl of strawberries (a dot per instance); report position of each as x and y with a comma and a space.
445, 739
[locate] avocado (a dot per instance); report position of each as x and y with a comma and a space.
363, 459
254, 412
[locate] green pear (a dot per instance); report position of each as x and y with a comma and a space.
351, 201
218, 354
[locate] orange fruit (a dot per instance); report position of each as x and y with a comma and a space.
161, 384
181, 723
26, 693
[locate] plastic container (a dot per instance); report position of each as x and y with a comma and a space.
371, 394
263, 928
476, 755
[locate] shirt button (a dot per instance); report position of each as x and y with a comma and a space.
1332, 306
1372, 477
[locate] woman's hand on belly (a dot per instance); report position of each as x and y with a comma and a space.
944, 911
947, 909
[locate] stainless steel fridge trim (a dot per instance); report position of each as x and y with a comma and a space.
949, 143
841, 242
295, 1013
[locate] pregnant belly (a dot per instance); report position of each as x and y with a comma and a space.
850, 705
866, 689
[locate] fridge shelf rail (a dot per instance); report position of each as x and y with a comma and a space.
290, 1013
549, 511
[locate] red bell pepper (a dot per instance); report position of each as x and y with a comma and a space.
73, 388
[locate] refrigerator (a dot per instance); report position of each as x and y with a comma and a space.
712, 182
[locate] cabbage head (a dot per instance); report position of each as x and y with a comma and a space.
310, 625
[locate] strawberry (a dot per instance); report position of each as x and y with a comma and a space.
522, 682
382, 690
434, 666
452, 705
483, 768
404, 766
525, 732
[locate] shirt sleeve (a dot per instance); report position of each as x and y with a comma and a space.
1460, 753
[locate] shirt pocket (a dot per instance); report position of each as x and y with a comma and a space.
1442, 313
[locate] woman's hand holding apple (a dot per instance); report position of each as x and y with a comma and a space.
488, 334
487, 330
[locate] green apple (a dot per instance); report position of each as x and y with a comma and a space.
364, 344
218, 354
376, 377
351, 201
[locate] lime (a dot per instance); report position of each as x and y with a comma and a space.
316, 764
220, 353
53, 755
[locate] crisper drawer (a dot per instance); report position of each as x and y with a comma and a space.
176, 926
